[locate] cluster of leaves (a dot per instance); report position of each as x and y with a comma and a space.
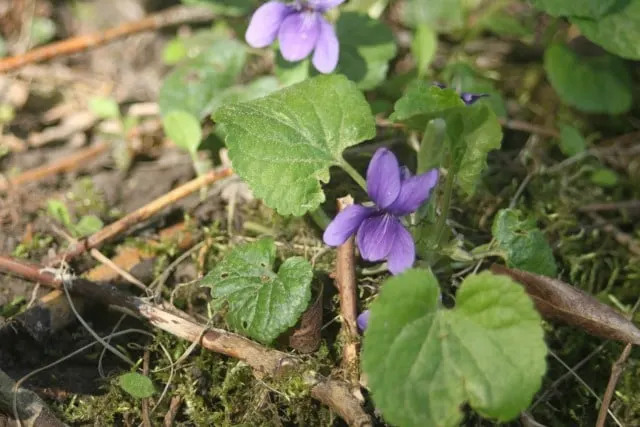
286, 130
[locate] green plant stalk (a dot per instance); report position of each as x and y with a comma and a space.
448, 192
320, 217
354, 174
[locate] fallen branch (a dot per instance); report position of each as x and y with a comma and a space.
52, 311
171, 17
142, 214
65, 164
333, 393
32, 411
346, 284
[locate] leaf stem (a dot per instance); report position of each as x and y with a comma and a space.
320, 217
354, 174
448, 191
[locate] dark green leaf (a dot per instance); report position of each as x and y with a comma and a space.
583, 8
366, 46
262, 303
618, 31
600, 84
524, 244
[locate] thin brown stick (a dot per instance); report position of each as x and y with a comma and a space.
52, 311
69, 163
171, 414
270, 362
529, 127
612, 206
171, 17
506, 123
616, 371
620, 236
346, 284
142, 214
146, 419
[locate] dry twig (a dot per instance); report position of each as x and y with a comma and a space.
65, 164
142, 214
265, 361
171, 17
346, 284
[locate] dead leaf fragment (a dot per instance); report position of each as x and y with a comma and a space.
558, 300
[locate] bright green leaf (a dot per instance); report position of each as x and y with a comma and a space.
583, 8
442, 15
571, 141
137, 385
194, 85
58, 210
183, 129
618, 31
174, 51
599, 84
423, 47
282, 145
103, 107
605, 177
262, 304
366, 47
87, 225
524, 244
423, 361
422, 102
472, 131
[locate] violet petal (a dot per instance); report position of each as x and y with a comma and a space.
414, 192
265, 23
363, 320
325, 56
324, 5
298, 35
376, 235
345, 224
470, 98
383, 178
403, 252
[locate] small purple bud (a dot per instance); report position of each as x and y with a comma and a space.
363, 320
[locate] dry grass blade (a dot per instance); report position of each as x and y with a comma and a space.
557, 300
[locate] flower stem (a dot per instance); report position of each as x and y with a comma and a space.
320, 217
354, 174
442, 221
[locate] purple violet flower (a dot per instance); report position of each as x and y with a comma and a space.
300, 28
380, 234
363, 320
467, 97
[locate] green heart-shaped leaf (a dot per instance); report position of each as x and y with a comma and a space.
282, 145
423, 362
599, 84
618, 31
262, 303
